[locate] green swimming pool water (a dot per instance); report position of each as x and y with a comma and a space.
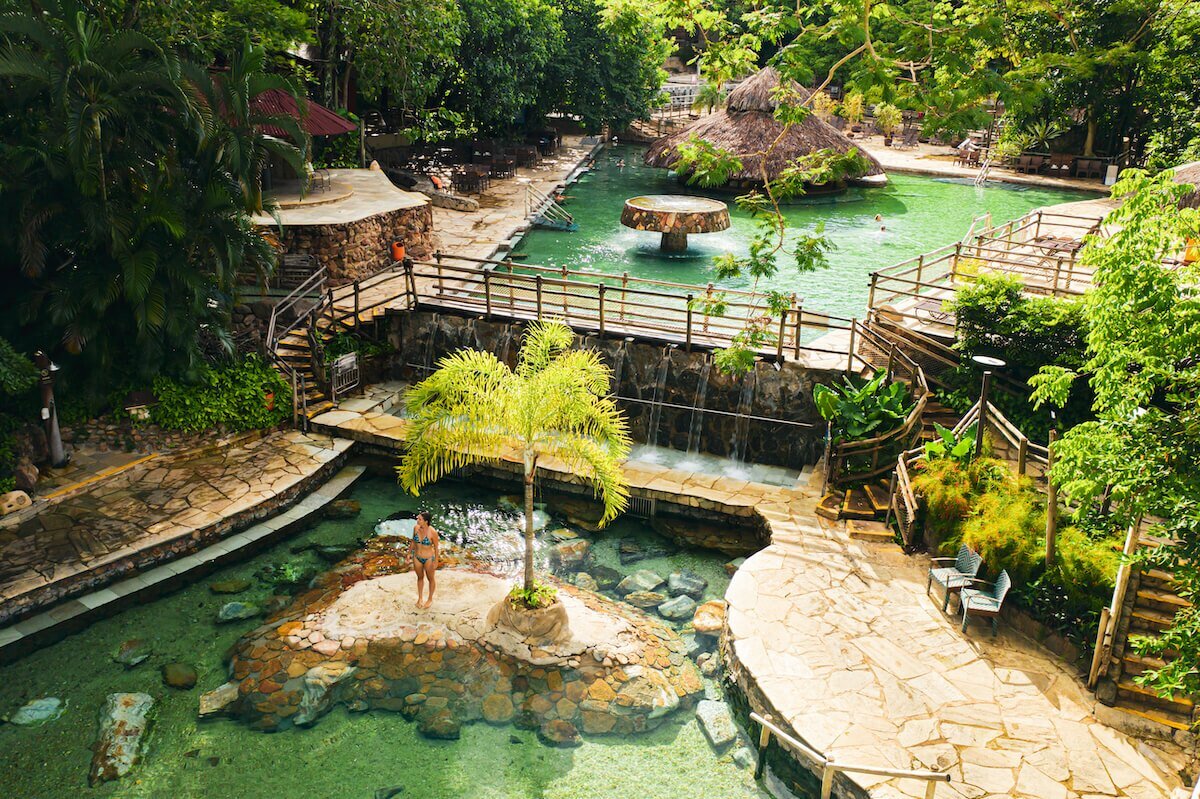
345, 755
919, 213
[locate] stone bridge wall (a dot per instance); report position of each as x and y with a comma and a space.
421, 338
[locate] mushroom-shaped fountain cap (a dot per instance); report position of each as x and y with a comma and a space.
675, 216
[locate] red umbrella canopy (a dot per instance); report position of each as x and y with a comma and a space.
316, 121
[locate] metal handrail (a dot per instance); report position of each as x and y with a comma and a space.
830, 768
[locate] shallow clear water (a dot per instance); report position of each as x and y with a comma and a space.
344, 756
705, 463
919, 213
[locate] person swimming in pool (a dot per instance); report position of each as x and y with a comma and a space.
423, 553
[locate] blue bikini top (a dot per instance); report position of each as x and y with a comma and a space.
426, 541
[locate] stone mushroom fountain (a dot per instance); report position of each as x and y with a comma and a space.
675, 216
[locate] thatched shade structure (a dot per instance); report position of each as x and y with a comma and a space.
1189, 174
747, 126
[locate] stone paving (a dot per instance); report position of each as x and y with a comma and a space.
169, 502
836, 640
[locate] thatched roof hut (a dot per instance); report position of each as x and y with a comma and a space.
1189, 174
747, 126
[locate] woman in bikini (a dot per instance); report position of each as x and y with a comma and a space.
423, 553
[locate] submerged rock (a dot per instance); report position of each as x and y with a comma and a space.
677, 609
179, 675
343, 509
745, 757
132, 652
645, 599
570, 555
217, 701
388, 793
642, 580
562, 534
557, 732
123, 723
605, 577
585, 581
709, 664
686, 583
717, 724
401, 528
438, 724
38, 711
229, 586
733, 565
237, 611
630, 551
332, 553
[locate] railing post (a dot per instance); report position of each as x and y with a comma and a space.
954, 263
412, 282
487, 293
930, 789
871, 291
891, 361
707, 304
764, 739
538, 281
601, 290
850, 353
920, 270
1057, 273
510, 287
563, 290
981, 423
688, 339
782, 331
356, 304
1022, 454
827, 779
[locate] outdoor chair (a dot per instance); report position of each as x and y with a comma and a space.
910, 139
1061, 164
953, 578
984, 602
466, 182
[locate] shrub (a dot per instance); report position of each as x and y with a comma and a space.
234, 396
858, 409
1007, 527
540, 595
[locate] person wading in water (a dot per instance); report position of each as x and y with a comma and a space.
423, 553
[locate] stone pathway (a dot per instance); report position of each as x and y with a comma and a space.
836, 640
152, 511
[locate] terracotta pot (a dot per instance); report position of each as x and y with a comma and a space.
270, 400
397, 251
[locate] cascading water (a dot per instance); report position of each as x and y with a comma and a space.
619, 366
430, 345
505, 344
697, 424
741, 425
660, 383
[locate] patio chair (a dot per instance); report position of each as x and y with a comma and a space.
910, 139
953, 578
984, 602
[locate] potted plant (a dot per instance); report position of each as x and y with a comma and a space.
553, 405
888, 118
852, 110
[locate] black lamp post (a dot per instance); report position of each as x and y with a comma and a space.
988, 363
47, 369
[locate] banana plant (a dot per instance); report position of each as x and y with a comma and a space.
856, 411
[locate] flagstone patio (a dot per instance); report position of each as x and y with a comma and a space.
160, 507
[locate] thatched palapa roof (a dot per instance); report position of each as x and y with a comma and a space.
747, 126
1189, 174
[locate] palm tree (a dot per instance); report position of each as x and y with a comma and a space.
554, 404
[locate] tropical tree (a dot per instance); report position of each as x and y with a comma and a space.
553, 405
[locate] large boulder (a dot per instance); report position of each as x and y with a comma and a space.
686, 583
570, 555
646, 692
557, 732
605, 576
438, 724
645, 599
218, 701
123, 723
641, 580
179, 675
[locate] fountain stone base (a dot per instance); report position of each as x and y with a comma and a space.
359, 640
673, 242
675, 216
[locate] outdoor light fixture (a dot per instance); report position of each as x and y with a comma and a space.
47, 369
987, 363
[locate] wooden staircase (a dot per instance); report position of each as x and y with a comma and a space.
1151, 609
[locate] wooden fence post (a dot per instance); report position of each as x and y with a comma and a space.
782, 331
437, 256
764, 739
688, 332
538, 281
356, 304
601, 291
487, 293
624, 289
871, 291
1051, 505
796, 334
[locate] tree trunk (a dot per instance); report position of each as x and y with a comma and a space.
1089, 144
1051, 505
530, 469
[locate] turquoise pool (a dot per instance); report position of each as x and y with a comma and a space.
918, 213
345, 755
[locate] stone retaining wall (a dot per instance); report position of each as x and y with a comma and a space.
420, 338
353, 250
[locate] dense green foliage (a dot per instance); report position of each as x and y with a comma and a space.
859, 408
17, 373
127, 195
982, 504
1143, 449
243, 395
995, 317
